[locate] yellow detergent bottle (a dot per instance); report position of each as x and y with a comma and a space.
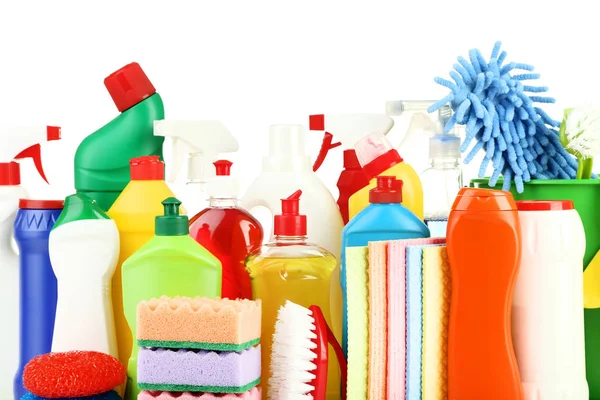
134, 212
377, 157
292, 269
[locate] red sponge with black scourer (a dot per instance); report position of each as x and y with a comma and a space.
74, 374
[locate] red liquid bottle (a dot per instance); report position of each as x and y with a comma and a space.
229, 232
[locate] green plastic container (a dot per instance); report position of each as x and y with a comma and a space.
102, 159
170, 264
585, 194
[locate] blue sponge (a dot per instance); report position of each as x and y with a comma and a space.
112, 395
519, 139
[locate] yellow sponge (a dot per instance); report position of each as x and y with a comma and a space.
358, 318
436, 313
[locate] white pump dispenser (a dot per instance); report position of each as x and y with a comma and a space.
17, 144
201, 142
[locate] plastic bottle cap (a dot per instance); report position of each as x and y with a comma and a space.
388, 190
129, 86
79, 207
351, 160
10, 174
147, 168
223, 186
290, 222
30, 204
545, 205
444, 146
171, 223
476, 199
376, 154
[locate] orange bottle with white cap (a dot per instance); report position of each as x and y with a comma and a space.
484, 250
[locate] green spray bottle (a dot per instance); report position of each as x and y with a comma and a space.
102, 159
170, 264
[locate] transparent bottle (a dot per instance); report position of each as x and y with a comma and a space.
443, 179
290, 268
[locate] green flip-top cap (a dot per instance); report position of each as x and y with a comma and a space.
79, 207
171, 223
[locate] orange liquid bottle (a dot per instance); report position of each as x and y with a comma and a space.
484, 247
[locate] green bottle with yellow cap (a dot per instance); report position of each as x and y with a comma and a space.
170, 264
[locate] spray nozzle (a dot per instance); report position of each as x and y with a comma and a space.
290, 222
223, 167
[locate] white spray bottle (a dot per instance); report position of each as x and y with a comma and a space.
201, 142
286, 169
17, 144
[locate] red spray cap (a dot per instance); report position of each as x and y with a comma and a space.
351, 160
317, 123
10, 171
290, 222
388, 190
147, 168
223, 167
129, 86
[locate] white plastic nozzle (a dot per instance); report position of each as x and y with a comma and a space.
200, 141
351, 128
287, 150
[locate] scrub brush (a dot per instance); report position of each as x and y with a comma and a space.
518, 138
580, 134
299, 358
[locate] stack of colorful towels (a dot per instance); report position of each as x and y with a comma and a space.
198, 348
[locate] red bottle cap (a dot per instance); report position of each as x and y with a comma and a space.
382, 163
388, 190
223, 167
146, 168
10, 174
545, 205
351, 160
30, 204
477, 199
290, 222
128, 86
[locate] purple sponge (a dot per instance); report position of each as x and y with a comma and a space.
198, 370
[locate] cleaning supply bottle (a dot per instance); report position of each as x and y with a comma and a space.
84, 249
171, 264
441, 181
484, 250
17, 144
547, 308
292, 269
384, 219
285, 169
134, 212
229, 232
102, 159
38, 292
201, 142
376, 156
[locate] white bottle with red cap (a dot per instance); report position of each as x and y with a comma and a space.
547, 309
17, 144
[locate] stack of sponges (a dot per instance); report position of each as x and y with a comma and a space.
74, 375
199, 346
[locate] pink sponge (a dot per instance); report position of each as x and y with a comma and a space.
252, 394
72, 374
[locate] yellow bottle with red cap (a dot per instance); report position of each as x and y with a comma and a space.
290, 268
134, 212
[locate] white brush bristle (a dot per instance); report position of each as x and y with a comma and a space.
293, 354
582, 129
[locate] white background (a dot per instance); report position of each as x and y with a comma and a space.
251, 64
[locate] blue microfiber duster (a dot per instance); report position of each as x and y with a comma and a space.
520, 139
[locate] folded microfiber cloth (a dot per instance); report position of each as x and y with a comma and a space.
437, 289
358, 317
414, 322
252, 394
377, 373
111, 395
396, 301
198, 370
198, 323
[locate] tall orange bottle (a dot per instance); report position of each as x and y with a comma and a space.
484, 248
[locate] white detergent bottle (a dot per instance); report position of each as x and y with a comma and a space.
201, 142
84, 250
17, 144
547, 309
286, 169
